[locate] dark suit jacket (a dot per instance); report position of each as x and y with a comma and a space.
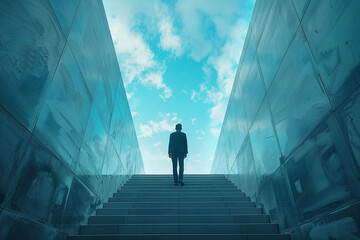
178, 143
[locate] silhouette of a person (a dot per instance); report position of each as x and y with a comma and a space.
178, 150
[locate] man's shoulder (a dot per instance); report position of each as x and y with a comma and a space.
178, 133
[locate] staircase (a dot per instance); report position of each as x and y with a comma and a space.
152, 207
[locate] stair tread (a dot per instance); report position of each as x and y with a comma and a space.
207, 207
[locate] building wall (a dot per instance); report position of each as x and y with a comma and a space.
291, 133
67, 139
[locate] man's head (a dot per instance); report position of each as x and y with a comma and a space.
178, 127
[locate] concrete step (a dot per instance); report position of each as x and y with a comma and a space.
178, 189
146, 219
208, 207
156, 182
152, 176
171, 184
178, 205
183, 237
234, 228
177, 211
178, 199
177, 194
169, 188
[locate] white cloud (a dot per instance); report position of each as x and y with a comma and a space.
167, 124
155, 79
204, 21
136, 58
215, 31
200, 134
226, 62
217, 113
215, 132
193, 121
129, 95
133, 114
168, 39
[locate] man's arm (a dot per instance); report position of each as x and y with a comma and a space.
186, 146
170, 146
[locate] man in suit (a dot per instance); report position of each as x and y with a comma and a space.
177, 151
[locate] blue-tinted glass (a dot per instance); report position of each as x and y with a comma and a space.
13, 142
332, 29
112, 164
125, 155
104, 101
110, 182
246, 60
259, 19
236, 133
342, 224
253, 91
279, 30
57, 161
14, 226
301, 6
92, 151
98, 21
297, 99
266, 151
348, 116
276, 199
65, 11
117, 128
85, 47
43, 186
321, 172
81, 203
31, 42
62, 121
243, 170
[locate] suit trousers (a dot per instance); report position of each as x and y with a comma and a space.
175, 159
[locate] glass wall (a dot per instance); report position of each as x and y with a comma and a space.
67, 140
291, 133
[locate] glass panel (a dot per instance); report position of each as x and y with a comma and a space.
85, 47
92, 151
15, 227
244, 170
65, 11
297, 98
13, 142
253, 91
43, 186
279, 30
276, 199
332, 29
259, 18
62, 122
342, 224
112, 163
81, 203
98, 22
117, 128
31, 44
322, 173
301, 6
264, 144
348, 116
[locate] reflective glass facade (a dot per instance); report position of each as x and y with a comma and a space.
291, 133
67, 140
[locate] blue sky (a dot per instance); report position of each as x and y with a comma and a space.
178, 60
